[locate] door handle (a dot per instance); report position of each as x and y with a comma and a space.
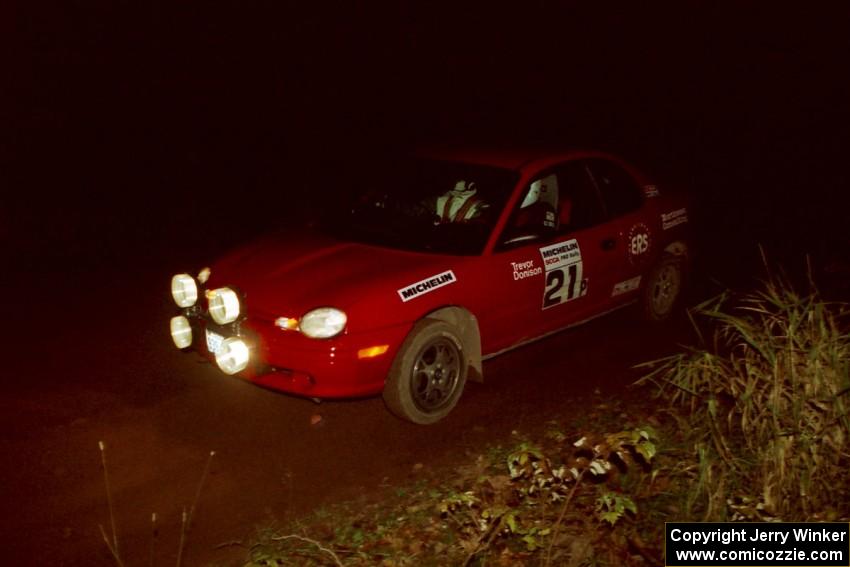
609, 243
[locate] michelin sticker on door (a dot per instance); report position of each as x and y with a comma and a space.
564, 274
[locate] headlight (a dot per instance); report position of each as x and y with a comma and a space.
233, 355
224, 305
323, 323
184, 290
203, 276
181, 331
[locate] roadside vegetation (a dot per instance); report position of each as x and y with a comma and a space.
752, 425
767, 406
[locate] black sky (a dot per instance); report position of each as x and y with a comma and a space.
126, 117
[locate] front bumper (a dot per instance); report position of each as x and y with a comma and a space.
317, 368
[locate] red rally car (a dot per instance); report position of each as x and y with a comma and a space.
439, 263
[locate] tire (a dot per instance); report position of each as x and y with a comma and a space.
428, 374
663, 289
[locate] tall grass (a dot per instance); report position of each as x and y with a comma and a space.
767, 404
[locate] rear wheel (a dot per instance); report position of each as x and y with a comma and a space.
663, 288
428, 374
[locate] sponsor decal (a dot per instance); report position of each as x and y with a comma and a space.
674, 218
626, 286
650, 191
524, 270
563, 265
639, 243
427, 285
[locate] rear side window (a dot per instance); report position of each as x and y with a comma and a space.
619, 191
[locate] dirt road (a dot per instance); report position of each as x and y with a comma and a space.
92, 361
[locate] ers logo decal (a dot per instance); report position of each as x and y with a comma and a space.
563, 265
638, 243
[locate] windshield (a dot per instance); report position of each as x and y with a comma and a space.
426, 206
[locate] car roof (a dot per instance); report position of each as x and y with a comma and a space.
516, 159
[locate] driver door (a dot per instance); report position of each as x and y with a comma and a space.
556, 259
518, 269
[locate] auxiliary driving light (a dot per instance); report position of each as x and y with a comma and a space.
181, 331
224, 305
184, 290
233, 355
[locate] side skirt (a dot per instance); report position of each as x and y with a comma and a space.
556, 331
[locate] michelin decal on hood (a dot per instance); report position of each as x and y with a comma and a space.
427, 285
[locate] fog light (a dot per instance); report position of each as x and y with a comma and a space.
184, 290
181, 331
224, 305
233, 355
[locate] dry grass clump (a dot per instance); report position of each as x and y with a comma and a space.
767, 404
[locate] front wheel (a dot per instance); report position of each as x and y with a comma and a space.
428, 374
663, 289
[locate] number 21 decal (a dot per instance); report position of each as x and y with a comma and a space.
556, 290
564, 280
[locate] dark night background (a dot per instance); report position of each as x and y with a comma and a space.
131, 123
142, 139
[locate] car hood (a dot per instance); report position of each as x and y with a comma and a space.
287, 275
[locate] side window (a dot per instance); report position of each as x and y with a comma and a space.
537, 212
619, 191
580, 206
